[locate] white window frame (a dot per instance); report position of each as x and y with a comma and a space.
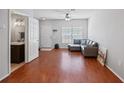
72, 35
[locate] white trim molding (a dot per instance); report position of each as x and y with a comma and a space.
115, 73
45, 49
4, 77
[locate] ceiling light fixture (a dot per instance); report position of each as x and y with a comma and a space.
67, 17
43, 18
68, 14
19, 22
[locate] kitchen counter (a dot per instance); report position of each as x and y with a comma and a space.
17, 43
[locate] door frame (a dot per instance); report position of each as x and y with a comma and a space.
26, 37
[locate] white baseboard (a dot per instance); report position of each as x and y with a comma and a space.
115, 73
4, 77
45, 49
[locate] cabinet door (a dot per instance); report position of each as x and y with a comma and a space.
33, 39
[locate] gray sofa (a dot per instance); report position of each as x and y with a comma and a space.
87, 47
76, 46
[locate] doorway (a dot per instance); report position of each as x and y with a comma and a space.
18, 29
26, 36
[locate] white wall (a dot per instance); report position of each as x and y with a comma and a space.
4, 38
47, 35
107, 28
4, 45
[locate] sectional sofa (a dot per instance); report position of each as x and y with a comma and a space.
87, 47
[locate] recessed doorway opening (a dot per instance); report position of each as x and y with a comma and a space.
18, 29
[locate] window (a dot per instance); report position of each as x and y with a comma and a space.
71, 33
66, 35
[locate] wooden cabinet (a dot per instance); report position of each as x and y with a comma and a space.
17, 53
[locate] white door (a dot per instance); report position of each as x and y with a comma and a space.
33, 39
46, 36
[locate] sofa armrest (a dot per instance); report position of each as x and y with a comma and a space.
90, 51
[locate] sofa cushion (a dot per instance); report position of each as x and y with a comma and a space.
82, 46
87, 41
75, 45
77, 41
83, 41
95, 44
90, 42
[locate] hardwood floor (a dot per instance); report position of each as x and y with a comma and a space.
62, 66
15, 66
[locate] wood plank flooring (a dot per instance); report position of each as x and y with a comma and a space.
62, 66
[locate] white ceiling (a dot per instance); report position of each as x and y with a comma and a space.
60, 13
16, 16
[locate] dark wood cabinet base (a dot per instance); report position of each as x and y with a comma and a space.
17, 53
